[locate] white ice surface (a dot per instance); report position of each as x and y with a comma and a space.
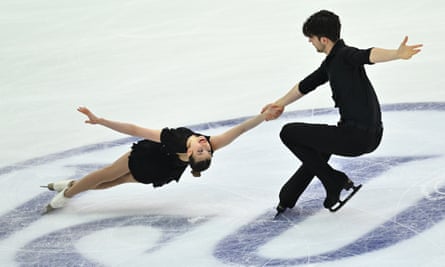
174, 63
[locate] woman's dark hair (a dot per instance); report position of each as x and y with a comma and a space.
199, 166
324, 23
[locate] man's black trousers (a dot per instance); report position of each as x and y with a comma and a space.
314, 144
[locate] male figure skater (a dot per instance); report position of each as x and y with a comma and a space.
359, 129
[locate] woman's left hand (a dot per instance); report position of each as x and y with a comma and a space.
92, 119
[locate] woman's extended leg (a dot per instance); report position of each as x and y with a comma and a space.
114, 174
127, 178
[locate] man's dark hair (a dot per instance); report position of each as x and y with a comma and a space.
324, 23
199, 166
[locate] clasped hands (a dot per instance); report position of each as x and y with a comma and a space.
272, 111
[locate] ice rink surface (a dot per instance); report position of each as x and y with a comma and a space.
209, 65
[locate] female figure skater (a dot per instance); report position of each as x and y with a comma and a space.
161, 157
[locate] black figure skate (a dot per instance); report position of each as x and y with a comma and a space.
333, 202
280, 209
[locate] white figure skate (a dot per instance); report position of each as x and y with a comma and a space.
58, 201
59, 186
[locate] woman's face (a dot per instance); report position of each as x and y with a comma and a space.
199, 148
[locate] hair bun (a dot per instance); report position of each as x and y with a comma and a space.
196, 173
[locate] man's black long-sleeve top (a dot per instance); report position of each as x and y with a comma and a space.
352, 91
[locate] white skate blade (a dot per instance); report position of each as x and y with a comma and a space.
58, 186
49, 186
47, 209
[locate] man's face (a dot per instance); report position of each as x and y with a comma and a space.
318, 43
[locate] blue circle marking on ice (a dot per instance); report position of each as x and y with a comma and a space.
43, 250
241, 247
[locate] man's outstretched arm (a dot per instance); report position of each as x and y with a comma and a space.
293, 95
403, 52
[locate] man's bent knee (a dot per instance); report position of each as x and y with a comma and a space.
284, 133
289, 133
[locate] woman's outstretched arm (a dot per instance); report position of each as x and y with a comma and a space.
122, 127
221, 140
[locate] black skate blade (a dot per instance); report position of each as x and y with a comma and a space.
278, 214
341, 203
280, 209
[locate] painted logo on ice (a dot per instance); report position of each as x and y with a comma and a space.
244, 246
